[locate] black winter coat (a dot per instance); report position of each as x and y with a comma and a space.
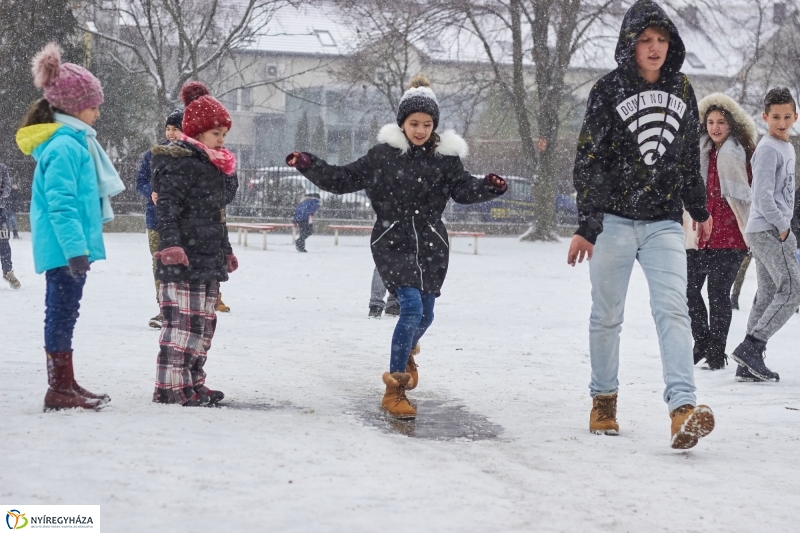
191, 197
409, 188
638, 151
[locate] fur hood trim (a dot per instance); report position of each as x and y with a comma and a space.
729, 104
171, 150
450, 142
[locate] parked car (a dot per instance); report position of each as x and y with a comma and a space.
515, 206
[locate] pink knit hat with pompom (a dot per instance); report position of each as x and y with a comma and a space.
66, 86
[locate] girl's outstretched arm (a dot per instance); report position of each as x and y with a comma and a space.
332, 178
467, 189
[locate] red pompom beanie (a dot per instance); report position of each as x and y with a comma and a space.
203, 112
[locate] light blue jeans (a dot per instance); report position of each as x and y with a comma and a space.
659, 248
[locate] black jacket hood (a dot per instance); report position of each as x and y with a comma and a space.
642, 15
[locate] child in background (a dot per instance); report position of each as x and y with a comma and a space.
5, 227
769, 235
143, 187
194, 254
70, 201
303, 219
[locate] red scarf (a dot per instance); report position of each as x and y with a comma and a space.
223, 159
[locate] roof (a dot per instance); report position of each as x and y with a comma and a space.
717, 40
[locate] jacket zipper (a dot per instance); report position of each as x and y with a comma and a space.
416, 256
385, 232
437, 234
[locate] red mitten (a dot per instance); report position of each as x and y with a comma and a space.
174, 255
233, 263
299, 160
496, 182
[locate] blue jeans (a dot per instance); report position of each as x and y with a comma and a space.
416, 316
659, 248
62, 301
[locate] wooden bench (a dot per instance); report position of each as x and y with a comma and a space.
474, 234
245, 228
336, 228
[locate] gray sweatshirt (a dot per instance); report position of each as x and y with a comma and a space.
773, 186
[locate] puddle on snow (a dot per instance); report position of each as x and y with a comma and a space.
252, 406
437, 419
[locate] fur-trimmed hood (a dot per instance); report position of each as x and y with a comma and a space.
450, 142
171, 150
729, 104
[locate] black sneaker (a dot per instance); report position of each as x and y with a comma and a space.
751, 355
375, 311
717, 361
393, 310
745, 376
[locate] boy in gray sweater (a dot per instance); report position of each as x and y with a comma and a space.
769, 237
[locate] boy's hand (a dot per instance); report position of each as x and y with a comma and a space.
784, 235
154, 197
578, 249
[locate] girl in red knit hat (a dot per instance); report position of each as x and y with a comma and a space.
194, 254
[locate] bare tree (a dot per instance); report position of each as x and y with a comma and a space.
172, 41
394, 41
544, 36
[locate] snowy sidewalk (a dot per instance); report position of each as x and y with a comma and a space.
501, 443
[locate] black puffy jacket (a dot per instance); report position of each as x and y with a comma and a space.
191, 196
638, 151
409, 188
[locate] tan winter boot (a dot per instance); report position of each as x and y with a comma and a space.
411, 367
603, 419
221, 307
690, 424
394, 400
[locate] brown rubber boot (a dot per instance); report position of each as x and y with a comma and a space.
603, 419
104, 398
60, 377
411, 367
221, 307
394, 400
690, 424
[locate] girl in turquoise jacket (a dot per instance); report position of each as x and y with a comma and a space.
71, 191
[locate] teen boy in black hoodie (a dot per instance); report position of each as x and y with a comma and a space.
637, 166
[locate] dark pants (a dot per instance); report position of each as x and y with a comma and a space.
306, 230
62, 301
5, 248
719, 267
416, 316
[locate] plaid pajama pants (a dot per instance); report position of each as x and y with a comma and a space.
189, 323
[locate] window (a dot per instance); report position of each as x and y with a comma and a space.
245, 98
325, 38
694, 61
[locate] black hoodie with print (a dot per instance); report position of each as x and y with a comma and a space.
638, 151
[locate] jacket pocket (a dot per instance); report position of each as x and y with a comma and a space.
385, 232
438, 235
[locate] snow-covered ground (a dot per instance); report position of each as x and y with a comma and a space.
303, 447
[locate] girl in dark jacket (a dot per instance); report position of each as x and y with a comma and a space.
194, 252
409, 177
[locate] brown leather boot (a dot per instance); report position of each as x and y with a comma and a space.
60, 377
394, 400
690, 424
104, 398
221, 307
411, 367
603, 419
